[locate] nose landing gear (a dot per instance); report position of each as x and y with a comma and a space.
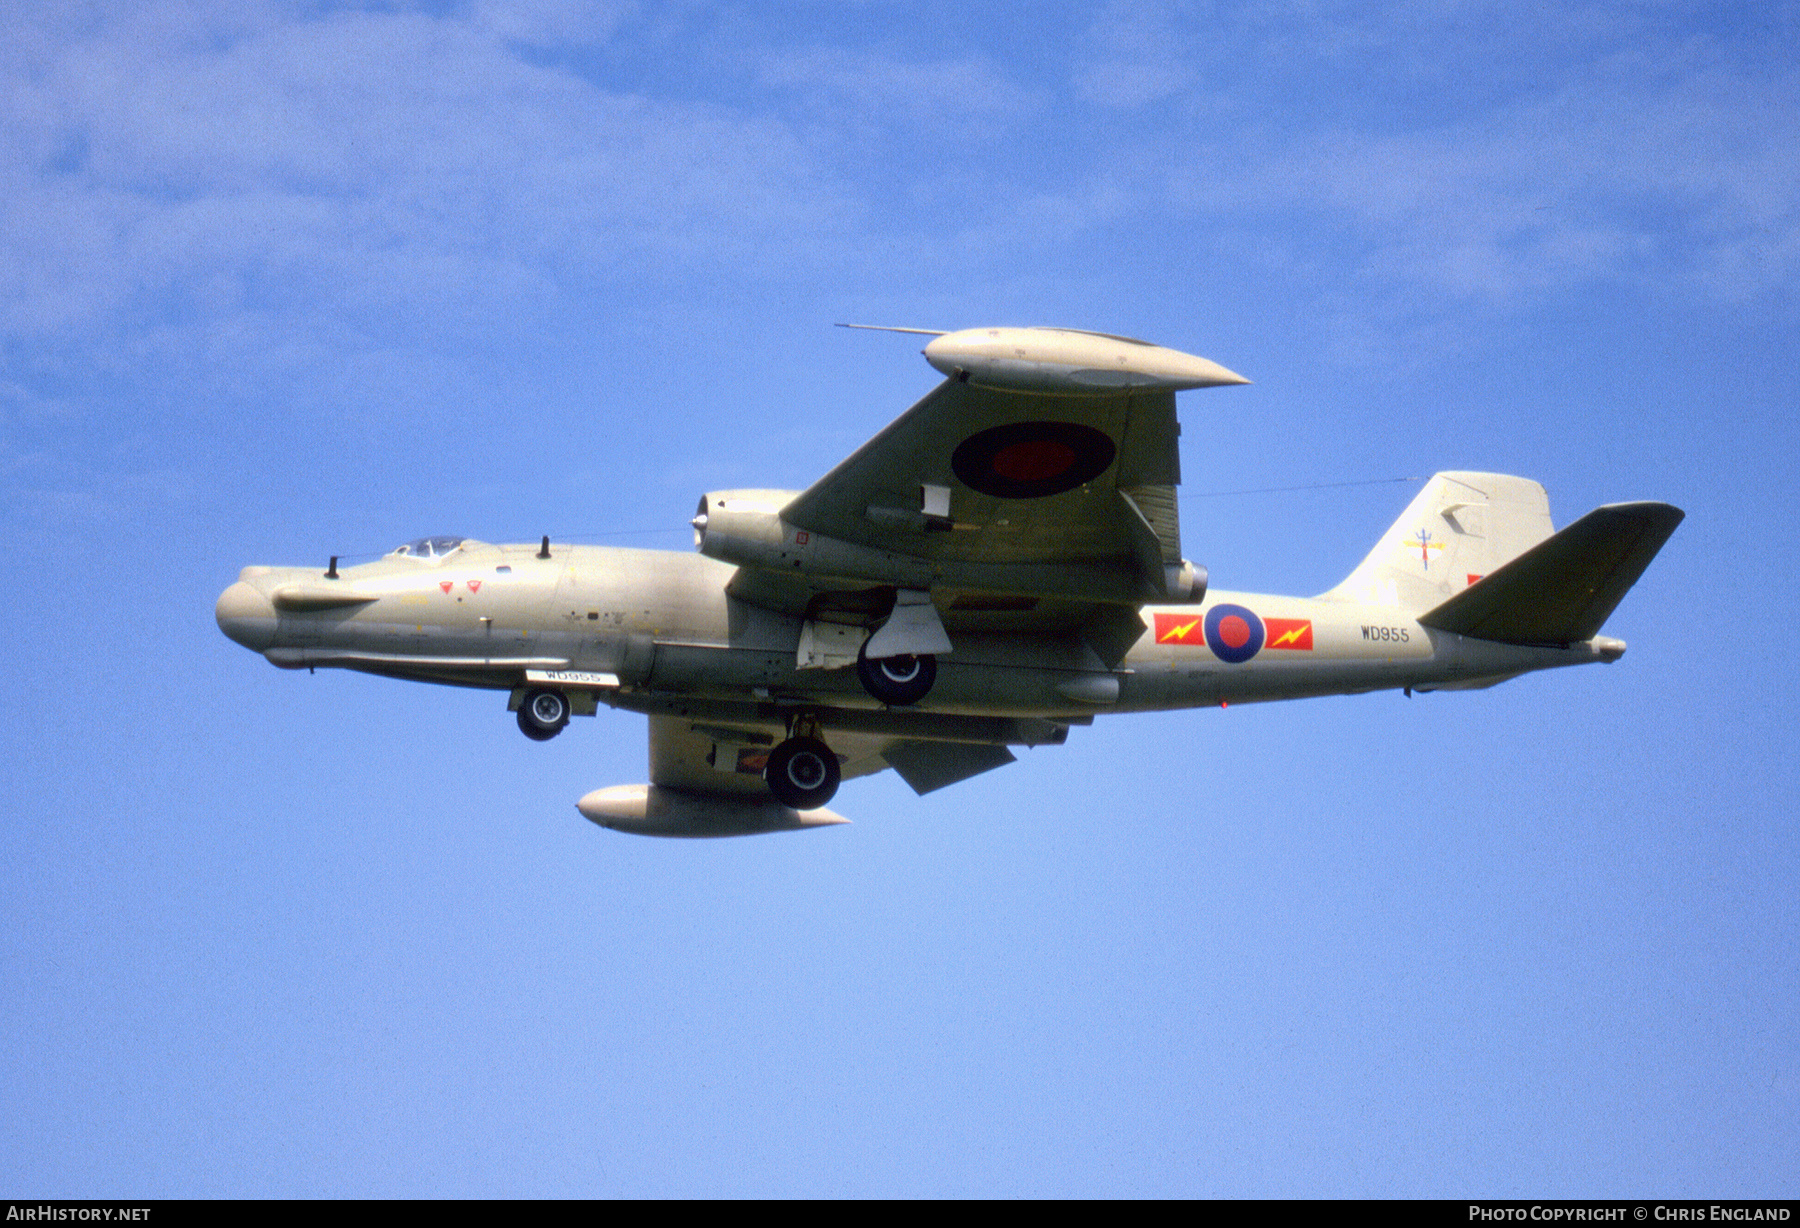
803, 772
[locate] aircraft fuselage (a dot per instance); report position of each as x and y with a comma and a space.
641, 629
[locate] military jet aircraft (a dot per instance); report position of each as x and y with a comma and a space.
1000, 564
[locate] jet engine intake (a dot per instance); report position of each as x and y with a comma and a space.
1184, 585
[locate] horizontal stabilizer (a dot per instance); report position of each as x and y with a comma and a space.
928, 766
1562, 589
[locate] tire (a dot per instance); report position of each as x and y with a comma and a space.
543, 715
803, 773
897, 680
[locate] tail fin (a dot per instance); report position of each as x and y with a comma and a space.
1562, 589
1461, 527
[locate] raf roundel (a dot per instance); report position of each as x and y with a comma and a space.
1233, 633
1030, 460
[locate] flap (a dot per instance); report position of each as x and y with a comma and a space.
928, 766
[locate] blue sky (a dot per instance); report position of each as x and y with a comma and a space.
281, 281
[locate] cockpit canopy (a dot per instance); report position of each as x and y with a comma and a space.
431, 547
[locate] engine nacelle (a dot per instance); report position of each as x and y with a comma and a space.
744, 527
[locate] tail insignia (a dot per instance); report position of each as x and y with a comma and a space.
1421, 541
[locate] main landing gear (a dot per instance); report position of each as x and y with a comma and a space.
802, 771
896, 681
543, 715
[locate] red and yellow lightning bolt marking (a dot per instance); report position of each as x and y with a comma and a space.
1290, 633
1178, 629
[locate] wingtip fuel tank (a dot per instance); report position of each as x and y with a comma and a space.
651, 810
1071, 361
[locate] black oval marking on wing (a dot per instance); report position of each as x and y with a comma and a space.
1031, 460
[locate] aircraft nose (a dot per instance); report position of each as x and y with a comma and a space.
246, 616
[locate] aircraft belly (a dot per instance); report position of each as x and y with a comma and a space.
962, 687
721, 669
1441, 660
1011, 690
1207, 686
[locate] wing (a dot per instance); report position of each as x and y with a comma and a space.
726, 760
1045, 466
1015, 491
706, 780
1033, 487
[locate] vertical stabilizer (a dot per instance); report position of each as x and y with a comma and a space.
1460, 527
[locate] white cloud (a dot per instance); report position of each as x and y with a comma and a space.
543, 22
1696, 179
869, 88
1138, 55
387, 179
363, 165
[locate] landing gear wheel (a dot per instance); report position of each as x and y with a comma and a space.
803, 773
543, 715
897, 680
